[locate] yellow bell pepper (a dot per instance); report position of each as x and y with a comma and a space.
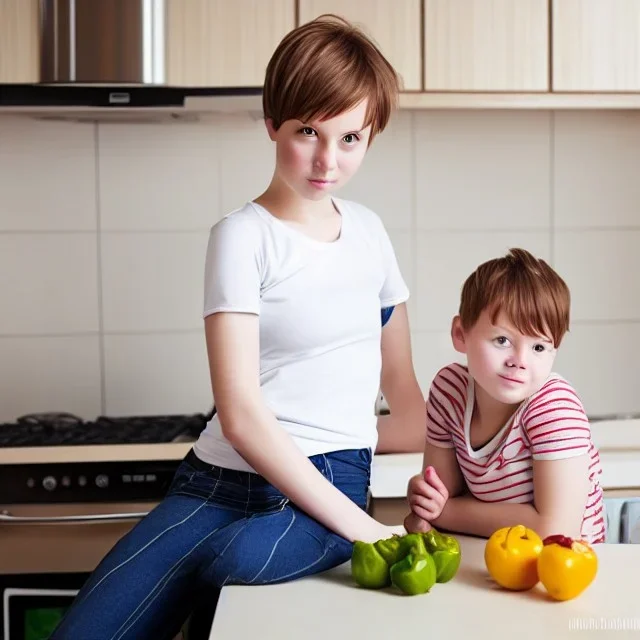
566, 567
511, 556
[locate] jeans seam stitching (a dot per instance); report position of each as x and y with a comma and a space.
275, 546
139, 551
221, 554
204, 503
329, 469
163, 581
246, 508
315, 562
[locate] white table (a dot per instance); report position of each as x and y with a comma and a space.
329, 605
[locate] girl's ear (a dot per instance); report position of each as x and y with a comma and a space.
271, 130
457, 335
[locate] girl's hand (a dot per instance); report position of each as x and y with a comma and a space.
382, 532
427, 495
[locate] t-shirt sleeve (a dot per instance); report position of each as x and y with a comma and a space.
394, 289
232, 279
556, 423
445, 407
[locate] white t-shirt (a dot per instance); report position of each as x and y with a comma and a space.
319, 315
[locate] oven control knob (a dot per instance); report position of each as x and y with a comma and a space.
102, 481
49, 483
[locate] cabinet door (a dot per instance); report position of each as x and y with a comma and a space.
486, 45
224, 43
596, 45
393, 26
19, 41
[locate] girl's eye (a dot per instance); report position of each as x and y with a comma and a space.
350, 138
501, 341
307, 131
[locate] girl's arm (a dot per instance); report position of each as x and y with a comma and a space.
404, 429
560, 488
251, 428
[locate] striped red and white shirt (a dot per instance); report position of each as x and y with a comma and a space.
549, 425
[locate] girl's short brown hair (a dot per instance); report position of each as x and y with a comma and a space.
326, 67
530, 293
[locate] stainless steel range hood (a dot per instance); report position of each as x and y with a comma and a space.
106, 59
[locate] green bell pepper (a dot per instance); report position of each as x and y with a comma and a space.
368, 568
445, 550
412, 563
416, 572
397, 547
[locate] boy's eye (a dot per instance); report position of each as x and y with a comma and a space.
307, 131
539, 348
501, 341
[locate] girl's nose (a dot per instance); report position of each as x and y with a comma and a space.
325, 158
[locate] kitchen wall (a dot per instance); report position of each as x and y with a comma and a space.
103, 231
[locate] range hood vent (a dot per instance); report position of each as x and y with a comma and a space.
106, 59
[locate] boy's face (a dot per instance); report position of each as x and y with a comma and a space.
316, 158
508, 365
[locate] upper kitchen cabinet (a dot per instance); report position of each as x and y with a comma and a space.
224, 43
393, 26
596, 45
486, 45
19, 41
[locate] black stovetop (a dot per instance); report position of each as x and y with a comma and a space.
55, 429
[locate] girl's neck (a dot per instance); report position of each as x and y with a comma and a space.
283, 203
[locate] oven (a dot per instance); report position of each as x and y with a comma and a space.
48, 551
64, 505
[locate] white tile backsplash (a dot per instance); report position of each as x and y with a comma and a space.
602, 269
404, 247
153, 281
103, 232
597, 155
48, 283
483, 170
59, 373
155, 177
156, 374
47, 175
246, 161
432, 350
603, 362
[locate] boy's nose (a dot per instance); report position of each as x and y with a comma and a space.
516, 361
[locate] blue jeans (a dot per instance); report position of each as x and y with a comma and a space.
215, 527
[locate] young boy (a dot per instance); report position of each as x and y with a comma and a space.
508, 441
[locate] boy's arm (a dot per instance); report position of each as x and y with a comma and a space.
445, 462
446, 466
402, 431
558, 507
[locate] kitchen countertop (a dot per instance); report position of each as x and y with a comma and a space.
471, 605
618, 442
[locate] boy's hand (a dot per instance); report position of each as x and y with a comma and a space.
427, 495
413, 524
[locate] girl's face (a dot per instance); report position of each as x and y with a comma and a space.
507, 364
315, 158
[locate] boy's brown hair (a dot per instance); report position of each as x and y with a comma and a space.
326, 67
530, 293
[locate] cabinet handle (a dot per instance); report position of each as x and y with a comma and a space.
8, 518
